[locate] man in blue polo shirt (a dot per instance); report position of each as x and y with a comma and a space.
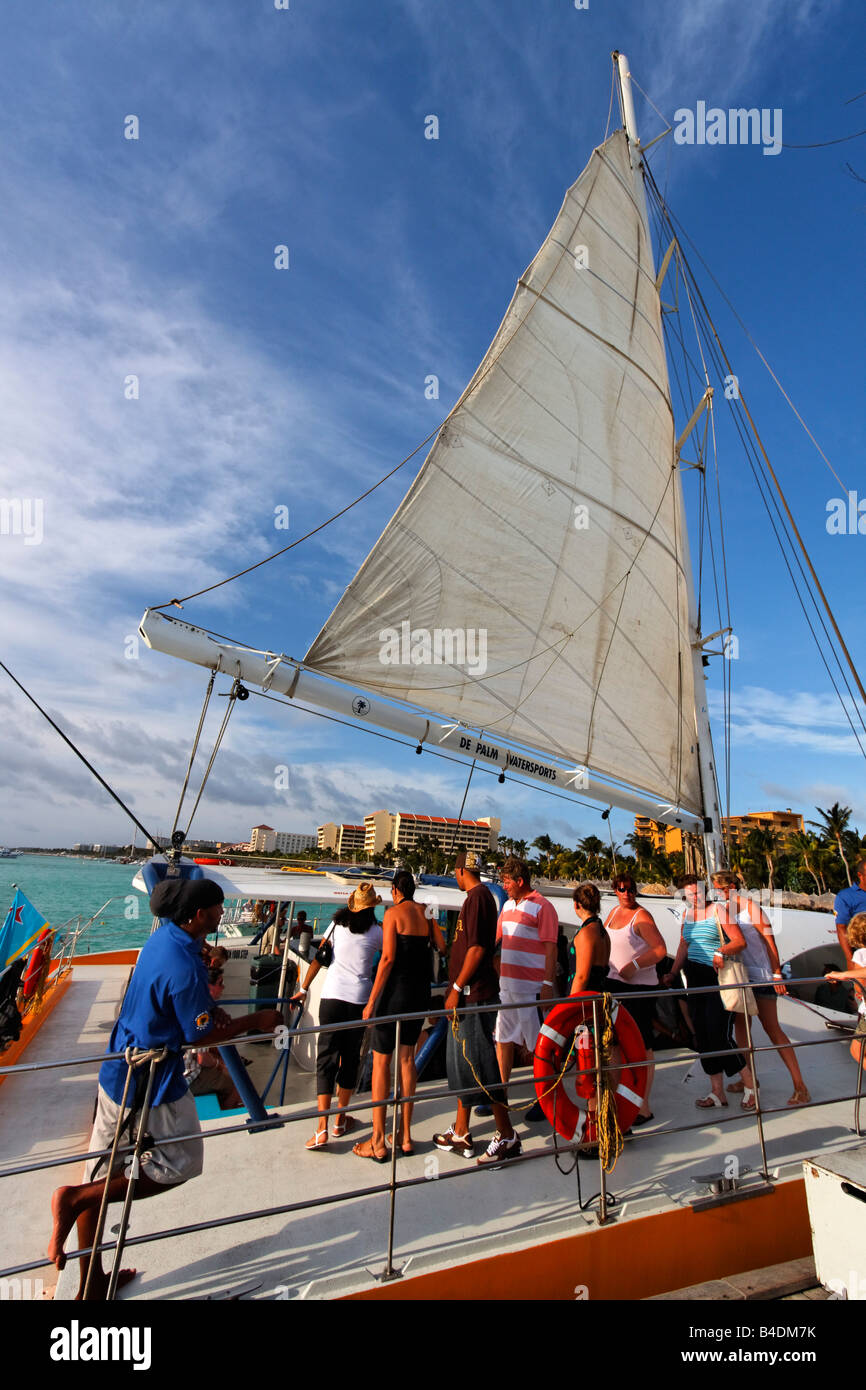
167, 1005
848, 903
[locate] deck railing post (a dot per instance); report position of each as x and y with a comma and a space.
602, 1175
131, 1177
389, 1271
757, 1094
103, 1206
859, 1089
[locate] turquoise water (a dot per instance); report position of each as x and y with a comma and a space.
62, 888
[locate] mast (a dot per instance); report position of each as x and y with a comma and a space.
714, 849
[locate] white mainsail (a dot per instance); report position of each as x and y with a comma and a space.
547, 517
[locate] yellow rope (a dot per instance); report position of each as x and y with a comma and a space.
524, 1105
610, 1141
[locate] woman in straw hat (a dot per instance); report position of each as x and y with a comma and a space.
347, 952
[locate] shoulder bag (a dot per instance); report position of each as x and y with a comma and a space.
734, 972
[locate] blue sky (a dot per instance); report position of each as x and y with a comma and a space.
260, 388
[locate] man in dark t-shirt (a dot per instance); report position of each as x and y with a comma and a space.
471, 1052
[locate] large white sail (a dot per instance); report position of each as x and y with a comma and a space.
531, 583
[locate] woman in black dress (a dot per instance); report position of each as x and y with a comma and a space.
402, 986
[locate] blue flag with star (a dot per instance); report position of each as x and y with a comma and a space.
20, 930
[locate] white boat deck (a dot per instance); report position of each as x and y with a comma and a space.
326, 1250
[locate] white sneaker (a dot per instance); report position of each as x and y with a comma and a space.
499, 1149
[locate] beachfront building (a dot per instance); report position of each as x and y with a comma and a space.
290, 842
785, 823
402, 829
341, 840
263, 839
667, 839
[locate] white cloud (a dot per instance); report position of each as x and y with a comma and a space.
798, 719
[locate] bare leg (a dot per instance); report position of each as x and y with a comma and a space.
408, 1082
80, 1205
381, 1078
323, 1101
505, 1054
768, 1013
501, 1119
344, 1095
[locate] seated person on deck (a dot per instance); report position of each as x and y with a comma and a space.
166, 1006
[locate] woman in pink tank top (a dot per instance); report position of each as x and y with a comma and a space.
636, 946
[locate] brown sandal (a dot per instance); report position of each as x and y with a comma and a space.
800, 1097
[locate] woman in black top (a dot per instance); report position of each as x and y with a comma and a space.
402, 986
592, 943
591, 958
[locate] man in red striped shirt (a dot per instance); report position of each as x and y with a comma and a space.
528, 929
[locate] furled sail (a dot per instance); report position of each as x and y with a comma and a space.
531, 584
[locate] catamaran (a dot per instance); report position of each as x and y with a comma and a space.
548, 515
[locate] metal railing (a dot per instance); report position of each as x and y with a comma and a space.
132, 1151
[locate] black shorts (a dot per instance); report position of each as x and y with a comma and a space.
641, 1008
385, 1034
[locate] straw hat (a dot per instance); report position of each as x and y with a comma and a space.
362, 897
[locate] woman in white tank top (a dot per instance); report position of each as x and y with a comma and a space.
636, 946
761, 958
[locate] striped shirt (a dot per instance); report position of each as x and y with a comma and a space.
703, 936
525, 929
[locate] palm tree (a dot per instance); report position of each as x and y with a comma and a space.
642, 846
835, 823
545, 844
806, 848
593, 848
765, 842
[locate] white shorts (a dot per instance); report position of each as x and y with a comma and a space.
518, 1025
174, 1164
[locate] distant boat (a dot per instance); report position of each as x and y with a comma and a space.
9, 853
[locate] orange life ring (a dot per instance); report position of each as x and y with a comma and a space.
36, 964
554, 1041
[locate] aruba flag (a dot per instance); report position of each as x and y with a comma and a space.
20, 930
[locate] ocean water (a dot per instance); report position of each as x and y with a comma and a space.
64, 888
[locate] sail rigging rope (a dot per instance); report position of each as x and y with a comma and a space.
433, 752
701, 313
679, 231
823, 144
78, 753
194, 749
232, 701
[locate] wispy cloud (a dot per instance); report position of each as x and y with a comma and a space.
799, 719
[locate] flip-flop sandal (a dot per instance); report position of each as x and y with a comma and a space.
401, 1151
317, 1140
344, 1125
377, 1158
711, 1103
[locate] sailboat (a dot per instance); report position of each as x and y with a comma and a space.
531, 609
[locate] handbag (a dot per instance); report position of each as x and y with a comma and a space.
325, 954
733, 972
